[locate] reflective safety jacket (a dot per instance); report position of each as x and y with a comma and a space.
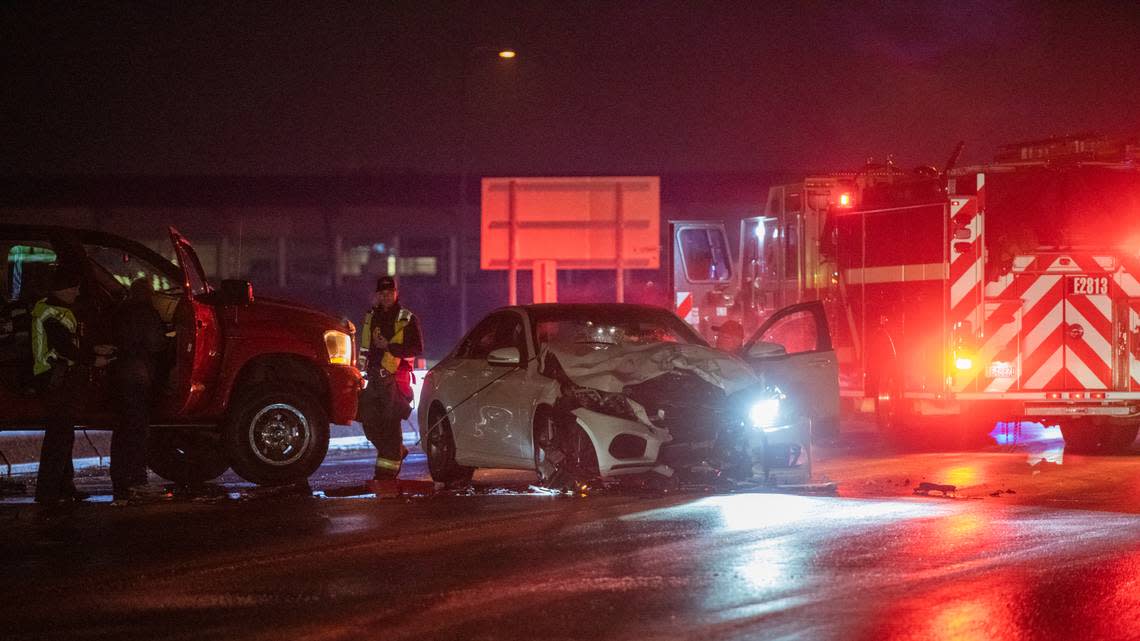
44, 354
404, 344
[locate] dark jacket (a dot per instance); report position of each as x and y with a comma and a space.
140, 337
413, 343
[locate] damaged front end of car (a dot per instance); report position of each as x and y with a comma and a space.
677, 411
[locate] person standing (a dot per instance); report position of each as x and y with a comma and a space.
140, 337
390, 342
62, 377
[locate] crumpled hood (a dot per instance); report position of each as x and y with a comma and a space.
611, 368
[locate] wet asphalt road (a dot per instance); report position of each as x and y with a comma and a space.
1058, 557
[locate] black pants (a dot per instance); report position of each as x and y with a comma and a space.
132, 383
63, 392
383, 407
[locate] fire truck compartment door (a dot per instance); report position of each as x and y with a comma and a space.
1132, 337
1088, 332
805, 369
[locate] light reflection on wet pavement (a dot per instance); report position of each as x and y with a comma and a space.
1025, 548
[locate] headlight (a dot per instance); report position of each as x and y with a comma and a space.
339, 346
764, 413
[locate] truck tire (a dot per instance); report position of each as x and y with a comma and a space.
891, 418
1085, 436
439, 445
186, 457
1124, 436
276, 433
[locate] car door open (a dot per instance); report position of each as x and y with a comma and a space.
793, 350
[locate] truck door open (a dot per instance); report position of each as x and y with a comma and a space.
197, 338
759, 269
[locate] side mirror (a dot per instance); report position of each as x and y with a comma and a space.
236, 292
504, 356
764, 349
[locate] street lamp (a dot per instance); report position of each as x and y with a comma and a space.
473, 56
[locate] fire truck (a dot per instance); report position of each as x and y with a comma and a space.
956, 297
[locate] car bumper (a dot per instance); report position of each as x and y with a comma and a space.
345, 384
627, 447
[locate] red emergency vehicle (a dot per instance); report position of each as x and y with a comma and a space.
1003, 291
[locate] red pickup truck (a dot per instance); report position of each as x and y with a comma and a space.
246, 382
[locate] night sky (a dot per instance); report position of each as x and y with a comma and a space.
597, 88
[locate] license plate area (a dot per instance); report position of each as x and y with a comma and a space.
1001, 369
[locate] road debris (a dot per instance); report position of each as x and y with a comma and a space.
924, 489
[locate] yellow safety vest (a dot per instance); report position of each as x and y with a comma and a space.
389, 361
42, 354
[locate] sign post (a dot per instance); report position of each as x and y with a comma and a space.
544, 278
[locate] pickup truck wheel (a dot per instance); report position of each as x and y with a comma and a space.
439, 445
186, 457
276, 434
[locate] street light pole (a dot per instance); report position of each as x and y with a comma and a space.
473, 55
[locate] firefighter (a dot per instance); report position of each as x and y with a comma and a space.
390, 342
730, 336
62, 376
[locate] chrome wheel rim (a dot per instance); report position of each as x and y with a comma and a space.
279, 434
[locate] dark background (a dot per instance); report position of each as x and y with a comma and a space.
597, 88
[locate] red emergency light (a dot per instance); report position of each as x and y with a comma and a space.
845, 200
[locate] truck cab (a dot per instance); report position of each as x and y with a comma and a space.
244, 382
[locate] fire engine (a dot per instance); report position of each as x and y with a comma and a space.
961, 296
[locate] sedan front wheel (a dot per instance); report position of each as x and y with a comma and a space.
564, 455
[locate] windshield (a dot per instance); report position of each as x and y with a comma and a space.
609, 326
124, 268
705, 255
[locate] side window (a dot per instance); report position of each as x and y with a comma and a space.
500, 330
126, 268
797, 332
480, 339
27, 269
791, 233
705, 254
195, 275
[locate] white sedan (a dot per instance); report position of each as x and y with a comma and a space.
578, 392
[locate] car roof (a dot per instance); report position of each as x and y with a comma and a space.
15, 231
590, 307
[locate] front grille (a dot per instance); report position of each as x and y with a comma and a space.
692, 409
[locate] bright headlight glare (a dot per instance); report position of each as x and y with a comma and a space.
339, 346
764, 413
